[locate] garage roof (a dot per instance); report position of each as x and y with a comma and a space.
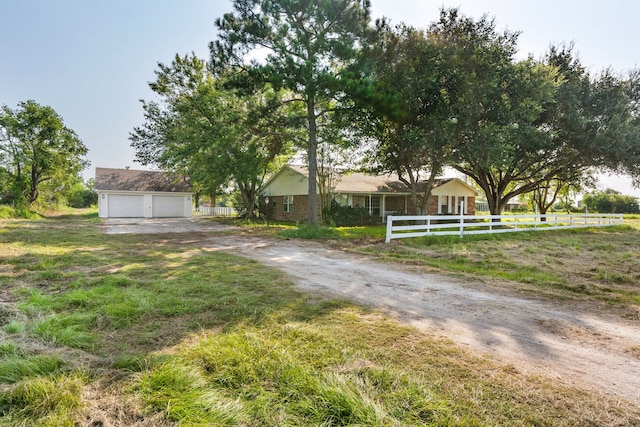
139, 180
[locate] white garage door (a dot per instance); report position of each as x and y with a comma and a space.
168, 206
126, 206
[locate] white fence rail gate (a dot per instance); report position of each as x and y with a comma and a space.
400, 227
214, 211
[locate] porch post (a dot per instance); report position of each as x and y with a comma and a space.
383, 208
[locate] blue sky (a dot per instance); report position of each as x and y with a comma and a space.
91, 60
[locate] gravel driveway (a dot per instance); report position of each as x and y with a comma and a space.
576, 347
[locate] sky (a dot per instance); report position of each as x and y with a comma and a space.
92, 60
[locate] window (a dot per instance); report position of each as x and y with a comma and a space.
444, 205
287, 204
372, 203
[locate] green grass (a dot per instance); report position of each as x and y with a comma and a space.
292, 230
47, 401
160, 328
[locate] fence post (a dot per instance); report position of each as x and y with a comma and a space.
389, 228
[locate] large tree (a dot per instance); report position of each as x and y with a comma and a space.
508, 139
309, 47
615, 108
209, 134
410, 113
523, 124
597, 117
36, 148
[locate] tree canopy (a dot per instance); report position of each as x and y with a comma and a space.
311, 49
524, 123
410, 115
309, 74
611, 201
37, 149
211, 135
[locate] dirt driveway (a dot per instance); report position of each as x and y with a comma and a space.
575, 346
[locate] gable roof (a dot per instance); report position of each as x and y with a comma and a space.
358, 182
139, 180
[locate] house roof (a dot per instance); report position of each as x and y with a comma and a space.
358, 182
139, 180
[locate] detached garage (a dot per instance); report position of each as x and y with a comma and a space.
127, 193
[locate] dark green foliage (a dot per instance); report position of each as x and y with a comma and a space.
410, 116
521, 124
611, 201
38, 154
312, 52
82, 196
347, 216
210, 134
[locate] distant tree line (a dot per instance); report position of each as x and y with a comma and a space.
286, 76
611, 201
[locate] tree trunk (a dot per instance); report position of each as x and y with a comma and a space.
212, 199
249, 201
542, 210
496, 206
429, 188
33, 188
312, 147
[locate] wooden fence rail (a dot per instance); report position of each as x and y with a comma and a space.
400, 227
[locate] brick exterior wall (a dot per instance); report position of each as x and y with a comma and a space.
471, 205
299, 209
432, 206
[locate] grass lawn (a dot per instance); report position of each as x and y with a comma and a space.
98, 329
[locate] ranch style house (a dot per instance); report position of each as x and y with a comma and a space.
382, 195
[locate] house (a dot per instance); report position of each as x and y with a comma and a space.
382, 195
128, 193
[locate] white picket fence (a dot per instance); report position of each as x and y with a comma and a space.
400, 227
214, 211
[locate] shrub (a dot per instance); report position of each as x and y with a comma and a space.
7, 211
346, 216
81, 196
